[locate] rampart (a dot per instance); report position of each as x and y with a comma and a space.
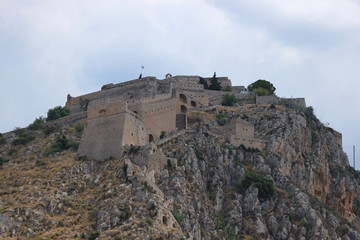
273, 99
249, 143
68, 120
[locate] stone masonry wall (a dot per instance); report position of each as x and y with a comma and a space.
160, 116
253, 143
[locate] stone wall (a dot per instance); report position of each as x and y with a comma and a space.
160, 116
241, 128
249, 143
272, 99
68, 120
300, 102
199, 97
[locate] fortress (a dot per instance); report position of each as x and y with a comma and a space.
138, 112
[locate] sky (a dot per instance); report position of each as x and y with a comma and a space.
308, 48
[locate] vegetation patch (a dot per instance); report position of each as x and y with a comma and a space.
250, 149
221, 119
198, 152
220, 221
265, 185
22, 137
79, 127
37, 124
179, 218
228, 100
57, 112
2, 161
61, 144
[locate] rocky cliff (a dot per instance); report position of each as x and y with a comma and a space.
190, 185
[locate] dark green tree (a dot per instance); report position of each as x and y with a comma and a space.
203, 82
262, 87
214, 83
228, 100
57, 112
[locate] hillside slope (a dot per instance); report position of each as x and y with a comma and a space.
191, 184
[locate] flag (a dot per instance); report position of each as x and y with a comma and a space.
142, 67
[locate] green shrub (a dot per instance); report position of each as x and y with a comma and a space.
2, 161
261, 92
250, 149
179, 218
220, 221
265, 185
23, 137
198, 152
19, 131
228, 100
92, 214
228, 89
92, 235
11, 151
2, 140
221, 119
37, 124
79, 127
57, 112
49, 129
61, 144
163, 134
133, 149
149, 221
262, 84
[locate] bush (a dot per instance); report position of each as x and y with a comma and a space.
48, 130
2, 140
228, 89
265, 185
79, 127
61, 144
37, 124
2, 161
23, 138
11, 151
262, 84
221, 119
220, 221
228, 100
261, 92
179, 218
57, 112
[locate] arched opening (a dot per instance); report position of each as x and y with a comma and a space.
165, 220
183, 109
183, 98
193, 103
102, 112
151, 138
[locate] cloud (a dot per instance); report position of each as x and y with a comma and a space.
306, 48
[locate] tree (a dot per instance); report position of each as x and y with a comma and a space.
203, 82
228, 100
214, 83
57, 112
262, 87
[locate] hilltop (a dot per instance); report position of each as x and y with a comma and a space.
249, 171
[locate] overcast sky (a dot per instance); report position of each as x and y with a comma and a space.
308, 48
